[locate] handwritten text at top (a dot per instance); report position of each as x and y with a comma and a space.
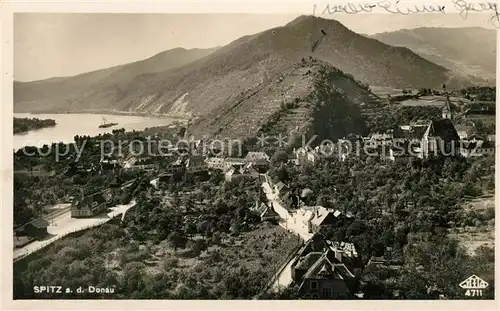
465, 7
399, 7
395, 7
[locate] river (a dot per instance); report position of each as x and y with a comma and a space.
70, 124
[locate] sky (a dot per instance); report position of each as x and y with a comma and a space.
63, 44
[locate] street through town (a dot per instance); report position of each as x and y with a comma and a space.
288, 222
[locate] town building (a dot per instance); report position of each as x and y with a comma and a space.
281, 189
477, 148
301, 155
254, 156
290, 200
486, 148
260, 165
196, 165
404, 151
326, 270
446, 112
247, 171
481, 108
313, 157
89, 205
377, 140
313, 218
178, 167
293, 159
250, 172
230, 162
109, 164
380, 261
234, 173
144, 163
414, 131
80, 169
36, 229
465, 131
215, 163
171, 174
440, 138
155, 183
266, 212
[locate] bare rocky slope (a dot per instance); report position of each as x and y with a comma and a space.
311, 97
470, 51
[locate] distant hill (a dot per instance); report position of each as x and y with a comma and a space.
55, 94
240, 85
470, 51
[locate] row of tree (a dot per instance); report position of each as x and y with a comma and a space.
22, 125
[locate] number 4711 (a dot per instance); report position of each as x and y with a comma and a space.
474, 292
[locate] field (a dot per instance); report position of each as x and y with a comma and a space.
481, 231
424, 102
383, 91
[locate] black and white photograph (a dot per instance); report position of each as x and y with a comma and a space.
336, 154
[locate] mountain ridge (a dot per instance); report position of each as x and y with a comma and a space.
252, 75
458, 52
65, 86
150, 58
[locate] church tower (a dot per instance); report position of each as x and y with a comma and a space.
446, 113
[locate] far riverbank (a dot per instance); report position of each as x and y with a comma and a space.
109, 112
71, 124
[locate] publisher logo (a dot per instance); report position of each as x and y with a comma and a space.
474, 285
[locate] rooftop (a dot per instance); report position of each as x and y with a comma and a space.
443, 129
195, 161
256, 155
37, 223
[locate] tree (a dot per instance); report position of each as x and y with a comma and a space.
197, 247
189, 204
216, 238
282, 174
280, 156
176, 240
